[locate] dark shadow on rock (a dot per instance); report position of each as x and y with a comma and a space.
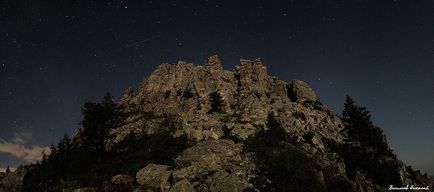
281, 164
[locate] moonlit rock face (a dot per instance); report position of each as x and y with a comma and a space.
254, 109
154, 176
248, 95
213, 63
300, 91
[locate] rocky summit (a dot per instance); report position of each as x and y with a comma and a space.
205, 101
228, 113
241, 130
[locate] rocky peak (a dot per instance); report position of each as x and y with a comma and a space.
244, 99
213, 64
208, 105
250, 73
300, 91
201, 128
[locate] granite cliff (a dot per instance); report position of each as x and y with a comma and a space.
244, 130
250, 105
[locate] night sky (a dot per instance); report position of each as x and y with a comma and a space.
56, 55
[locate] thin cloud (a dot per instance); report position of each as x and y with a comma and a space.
18, 149
22, 137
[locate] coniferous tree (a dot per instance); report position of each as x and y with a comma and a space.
216, 102
357, 120
80, 162
64, 145
360, 128
373, 146
98, 119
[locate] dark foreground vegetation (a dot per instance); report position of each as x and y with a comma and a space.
85, 162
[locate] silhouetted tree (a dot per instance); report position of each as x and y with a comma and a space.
216, 102
360, 128
357, 120
98, 119
83, 161
373, 146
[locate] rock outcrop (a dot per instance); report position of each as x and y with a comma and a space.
245, 96
154, 177
243, 130
223, 111
182, 186
215, 161
300, 91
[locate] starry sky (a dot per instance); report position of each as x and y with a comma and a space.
56, 55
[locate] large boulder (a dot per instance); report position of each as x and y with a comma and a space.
205, 157
222, 151
182, 186
154, 176
300, 91
203, 165
223, 181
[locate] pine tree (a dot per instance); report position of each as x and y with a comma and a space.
360, 128
98, 119
84, 161
64, 145
357, 120
216, 102
373, 146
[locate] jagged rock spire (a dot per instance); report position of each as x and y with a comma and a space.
250, 72
213, 63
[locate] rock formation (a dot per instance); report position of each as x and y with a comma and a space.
248, 96
300, 91
245, 130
